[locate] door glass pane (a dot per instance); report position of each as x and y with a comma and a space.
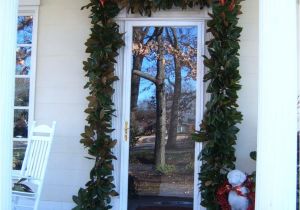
19, 148
162, 117
21, 123
23, 60
24, 34
22, 92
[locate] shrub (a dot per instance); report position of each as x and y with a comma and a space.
189, 167
166, 169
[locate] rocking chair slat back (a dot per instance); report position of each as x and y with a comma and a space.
37, 153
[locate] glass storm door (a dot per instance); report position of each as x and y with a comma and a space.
162, 108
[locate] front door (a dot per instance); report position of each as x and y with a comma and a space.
162, 108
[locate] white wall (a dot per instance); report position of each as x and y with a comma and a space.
248, 94
63, 29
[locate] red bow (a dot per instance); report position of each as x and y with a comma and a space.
238, 190
226, 188
102, 2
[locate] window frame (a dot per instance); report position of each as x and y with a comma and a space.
34, 12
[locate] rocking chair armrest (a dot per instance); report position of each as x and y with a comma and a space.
16, 178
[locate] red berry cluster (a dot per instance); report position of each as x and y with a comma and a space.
231, 5
101, 2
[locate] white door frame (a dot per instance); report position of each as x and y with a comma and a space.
124, 157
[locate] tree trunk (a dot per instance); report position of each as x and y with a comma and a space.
160, 142
138, 37
173, 124
161, 124
173, 120
135, 81
135, 88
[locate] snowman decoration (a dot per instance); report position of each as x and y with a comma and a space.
237, 197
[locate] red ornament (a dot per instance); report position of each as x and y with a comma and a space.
222, 2
102, 2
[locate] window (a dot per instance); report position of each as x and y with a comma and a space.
24, 82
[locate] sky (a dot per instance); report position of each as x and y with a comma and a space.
147, 88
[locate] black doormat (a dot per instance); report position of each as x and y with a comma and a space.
163, 208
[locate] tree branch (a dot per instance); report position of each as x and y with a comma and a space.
175, 37
171, 83
145, 76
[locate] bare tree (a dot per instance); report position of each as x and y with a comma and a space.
173, 122
159, 81
161, 106
139, 34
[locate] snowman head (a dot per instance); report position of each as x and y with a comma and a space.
236, 177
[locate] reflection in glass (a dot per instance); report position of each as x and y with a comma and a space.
22, 92
24, 34
21, 123
163, 103
19, 148
23, 60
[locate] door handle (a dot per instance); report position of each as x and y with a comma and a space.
126, 130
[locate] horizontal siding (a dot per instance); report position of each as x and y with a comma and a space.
63, 29
248, 95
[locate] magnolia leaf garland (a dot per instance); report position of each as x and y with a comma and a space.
218, 128
102, 46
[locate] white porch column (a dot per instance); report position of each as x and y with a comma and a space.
277, 118
8, 23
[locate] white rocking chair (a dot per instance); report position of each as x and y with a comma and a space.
34, 167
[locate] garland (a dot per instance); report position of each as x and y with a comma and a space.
218, 127
146, 7
102, 45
